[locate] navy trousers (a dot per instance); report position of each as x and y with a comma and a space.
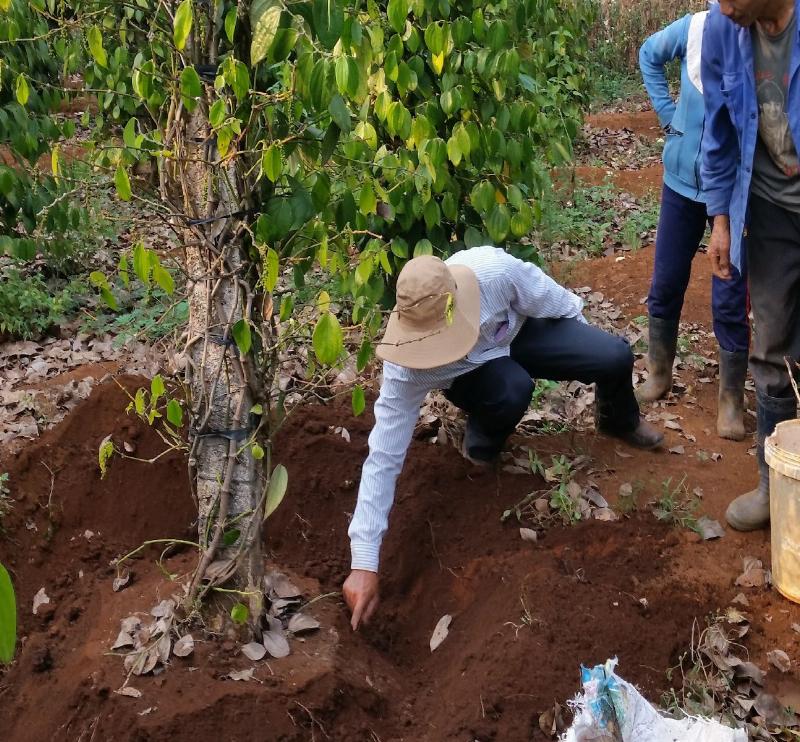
681, 226
496, 395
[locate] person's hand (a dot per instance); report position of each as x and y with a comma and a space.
361, 595
719, 248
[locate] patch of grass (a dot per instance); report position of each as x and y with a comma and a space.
145, 315
677, 505
628, 501
563, 505
611, 86
30, 306
540, 390
585, 219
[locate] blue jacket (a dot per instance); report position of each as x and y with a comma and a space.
682, 122
731, 108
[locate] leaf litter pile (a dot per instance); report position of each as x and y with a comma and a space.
147, 641
718, 679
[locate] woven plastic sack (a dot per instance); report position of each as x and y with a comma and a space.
612, 710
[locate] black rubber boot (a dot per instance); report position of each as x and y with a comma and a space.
750, 511
662, 343
644, 436
730, 407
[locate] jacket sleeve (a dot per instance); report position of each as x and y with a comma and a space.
396, 413
720, 147
658, 49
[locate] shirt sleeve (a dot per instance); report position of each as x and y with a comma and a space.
720, 146
396, 413
663, 46
535, 294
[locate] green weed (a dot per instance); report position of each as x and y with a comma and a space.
677, 505
29, 306
145, 315
630, 235
584, 220
540, 391
628, 501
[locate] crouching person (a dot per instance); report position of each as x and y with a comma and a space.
481, 326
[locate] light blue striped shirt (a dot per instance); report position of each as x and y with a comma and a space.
510, 291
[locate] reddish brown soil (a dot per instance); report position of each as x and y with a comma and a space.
645, 181
644, 123
525, 616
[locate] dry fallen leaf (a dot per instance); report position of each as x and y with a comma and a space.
751, 671
164, 609
41, 598
302, 622
276, 644
254, 651
441, 631
163, 648
528, 534
242, 674
124, 639
121, 581
605, 514
130, 624
184, 646
772, 711
796, 627
778, 658
126, 690
754, 575
282, 586
709, 528
680, 450
593, 496
551, 721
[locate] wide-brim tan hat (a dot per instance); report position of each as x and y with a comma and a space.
437, 317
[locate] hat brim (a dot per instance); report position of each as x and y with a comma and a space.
430, 349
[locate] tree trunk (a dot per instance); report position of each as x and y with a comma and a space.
228, 480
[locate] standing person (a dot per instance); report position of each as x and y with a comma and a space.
752, 180
681, 226
481, 326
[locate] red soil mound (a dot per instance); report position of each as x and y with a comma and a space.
524, 615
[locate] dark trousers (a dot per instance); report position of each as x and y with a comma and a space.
496, 395
681, 226
773, 259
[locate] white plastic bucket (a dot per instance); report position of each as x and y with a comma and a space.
782, 452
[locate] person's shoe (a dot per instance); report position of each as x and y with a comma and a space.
472, 459
643, 436
663, 340
730, 406
750, 511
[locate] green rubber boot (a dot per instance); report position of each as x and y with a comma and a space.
660, 357
730, 406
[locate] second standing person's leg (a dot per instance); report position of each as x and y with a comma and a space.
773, 267
732, 329
681, 225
